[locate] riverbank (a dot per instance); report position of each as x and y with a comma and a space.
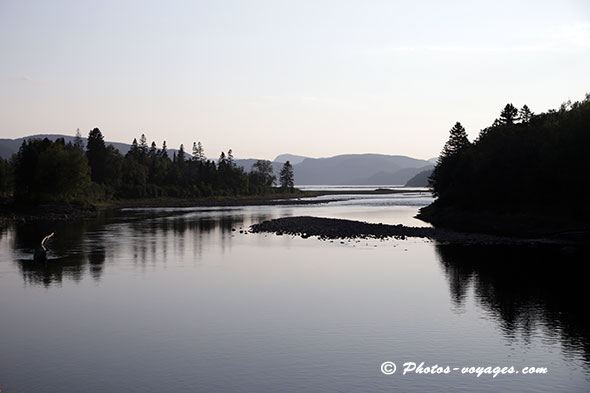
258, 200
54, 211
518, 224
64, 211
330, 228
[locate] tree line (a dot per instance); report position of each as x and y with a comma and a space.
523, 164
45, 170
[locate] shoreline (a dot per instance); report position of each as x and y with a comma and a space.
513, 224
66, 211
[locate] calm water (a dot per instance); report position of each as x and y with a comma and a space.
171, 300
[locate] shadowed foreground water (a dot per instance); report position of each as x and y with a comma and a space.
175, 300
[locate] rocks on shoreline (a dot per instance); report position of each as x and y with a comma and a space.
331, 228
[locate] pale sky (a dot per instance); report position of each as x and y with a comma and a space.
315, 78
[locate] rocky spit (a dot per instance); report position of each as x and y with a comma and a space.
331, 228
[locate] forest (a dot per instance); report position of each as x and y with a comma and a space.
526, 169
49, 171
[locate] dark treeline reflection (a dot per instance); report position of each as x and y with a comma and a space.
525, 289
80, 248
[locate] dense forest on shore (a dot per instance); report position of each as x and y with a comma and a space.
47, 171
525, 172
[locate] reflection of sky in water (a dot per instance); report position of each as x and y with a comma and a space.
388, 209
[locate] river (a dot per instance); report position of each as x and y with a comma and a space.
181, 299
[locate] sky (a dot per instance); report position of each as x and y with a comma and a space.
314, 78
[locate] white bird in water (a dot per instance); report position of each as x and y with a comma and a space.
41, 251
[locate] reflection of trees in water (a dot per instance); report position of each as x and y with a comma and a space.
96, 258
52, 271
67, 258
524, 289
162, 232
81, 247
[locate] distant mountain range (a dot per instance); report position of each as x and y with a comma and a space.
348, 169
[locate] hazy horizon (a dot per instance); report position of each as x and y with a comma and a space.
266, 78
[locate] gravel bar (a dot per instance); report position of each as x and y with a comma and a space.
331, 228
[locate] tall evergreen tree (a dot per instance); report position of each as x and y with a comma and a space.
287, 177
525, 114
450, 164
509, 114
222, 160
143, 147
78, 142
153, 151
199, 152
134, 149
230, 158
457, 142
164, 152
5, 177
96, 154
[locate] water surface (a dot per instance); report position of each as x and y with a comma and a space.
154, 300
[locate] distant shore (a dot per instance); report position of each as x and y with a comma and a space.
64, 211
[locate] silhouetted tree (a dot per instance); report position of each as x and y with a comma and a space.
180, 156
230, 158
164, 152
450, 164
458, 141
153, 151
143, 147
134, 149
198, 152
78, 142
525, 114
96, 154
509, 114
262, 175
287, 178
222, 160
5, 178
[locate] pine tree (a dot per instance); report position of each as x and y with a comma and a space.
143, 147
164, 152
96, 154
509, 114
153, 150
230, 158
525, 114
222, 159
287, 178
78, 142
457, 142
134, 149
198, 152
180, 155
